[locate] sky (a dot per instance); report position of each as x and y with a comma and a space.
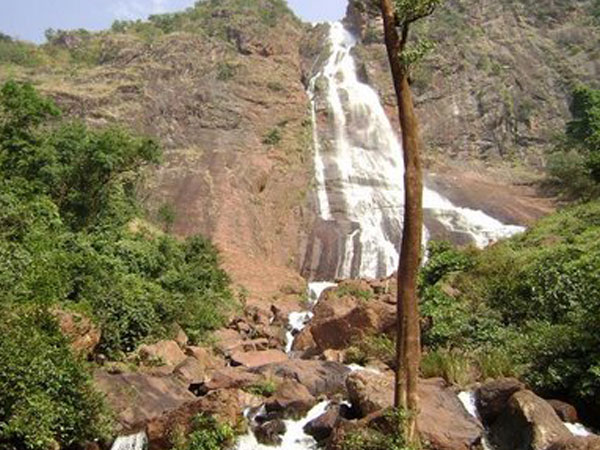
28, 19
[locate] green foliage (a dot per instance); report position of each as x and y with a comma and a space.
528, 305
452, 365
273, 137
46, 395
226, 71
19, 53
207, 434
167, 216
380, 347
265, 388
68, 239
385, 436
353, 290
574, 164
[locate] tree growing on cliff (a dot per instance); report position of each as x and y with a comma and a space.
398, 15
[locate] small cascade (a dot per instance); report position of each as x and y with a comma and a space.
298, 320
137, 441
578, 429
294, 438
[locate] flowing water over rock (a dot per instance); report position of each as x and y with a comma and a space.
137, 441
294, 437
359, 179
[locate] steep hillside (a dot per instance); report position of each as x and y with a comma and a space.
494, 92
220, 87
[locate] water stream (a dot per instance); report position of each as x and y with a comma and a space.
359, 172
137, 441
359, 185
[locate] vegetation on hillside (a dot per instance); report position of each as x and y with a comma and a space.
226, 20
574, 164
532, 302
67, 241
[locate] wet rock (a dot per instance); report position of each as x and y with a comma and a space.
491, 398
527, 422
163, 352
258, 358
268, 433
290, 400
319, 377
80, 330
442, 420
577, 443
322, 427
565, 411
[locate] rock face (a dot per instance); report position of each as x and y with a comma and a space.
566, 412
577, 443
258, 358
322, 427
163, 352
137, 398
442, 420
499, 93
491, 398
290, 400
527, 423
212, 91
345, 315
84, 335
319, 377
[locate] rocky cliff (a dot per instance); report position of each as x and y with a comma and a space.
220, 87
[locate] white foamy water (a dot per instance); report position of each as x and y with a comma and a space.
137, 441
578, 429
364, 167
294, 438
467, 398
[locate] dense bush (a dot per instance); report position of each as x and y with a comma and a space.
68, 238
574, 164
207, 434
46, 395
534, 300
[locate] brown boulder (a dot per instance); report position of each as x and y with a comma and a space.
491, 397
137, 398
319, 377
337, 326
165, 352
528, 422
290, 400
566, 412
231, 378
257, 358
80, 330
226, 405
577, 443
191, 371
206, 358
227, 340
322, 427
442, 420
268, 433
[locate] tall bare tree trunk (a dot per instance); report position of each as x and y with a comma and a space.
408, 345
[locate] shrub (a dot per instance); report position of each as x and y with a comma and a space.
207, 434
46, 394
265, 388
273, 137
454, 366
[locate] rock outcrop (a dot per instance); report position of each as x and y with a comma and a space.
442, 420
527, 423
80, 330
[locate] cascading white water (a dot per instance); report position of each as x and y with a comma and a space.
137, 441
294, 438
364, 167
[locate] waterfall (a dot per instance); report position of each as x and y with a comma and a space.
359, 172
137, 441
